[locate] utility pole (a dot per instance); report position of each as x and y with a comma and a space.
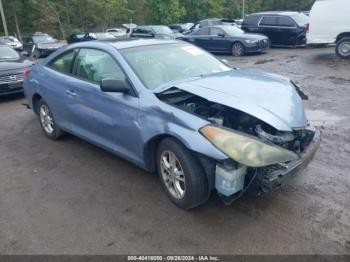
3, 19
243, 9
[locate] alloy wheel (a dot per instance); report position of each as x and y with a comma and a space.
46, 119
237, 49
172, 174
344, 49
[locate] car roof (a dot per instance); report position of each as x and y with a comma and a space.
125, 43
210, 19
287, 13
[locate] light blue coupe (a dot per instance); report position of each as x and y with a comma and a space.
171, 107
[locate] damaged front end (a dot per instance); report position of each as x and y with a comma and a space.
258, 153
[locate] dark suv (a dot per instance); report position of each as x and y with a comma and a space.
283, 28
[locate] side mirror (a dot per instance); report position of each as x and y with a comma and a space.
114, 86
24, 53
221, 35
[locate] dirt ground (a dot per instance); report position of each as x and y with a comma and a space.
70, 197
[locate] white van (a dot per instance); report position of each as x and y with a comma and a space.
330, 23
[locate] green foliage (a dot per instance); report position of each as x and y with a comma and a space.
63, 17
164, 11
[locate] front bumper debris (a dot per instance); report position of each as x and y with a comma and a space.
273, 177
267, 179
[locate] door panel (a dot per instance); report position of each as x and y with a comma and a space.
55, 78
219, 42
287, 31
269, 26
106, 119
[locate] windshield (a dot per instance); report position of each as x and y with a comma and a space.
300, 19
7, 53
160, 64
232, 30
162, 30
44, 39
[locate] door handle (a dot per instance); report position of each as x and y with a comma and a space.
70, 93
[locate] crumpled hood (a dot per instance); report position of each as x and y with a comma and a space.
271, 98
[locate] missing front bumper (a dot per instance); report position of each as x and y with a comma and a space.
273, 177
268, 179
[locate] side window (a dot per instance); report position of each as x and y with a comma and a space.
216, 31
285, 21
95, 65
269, 21
202, 31
63, 63
251, 20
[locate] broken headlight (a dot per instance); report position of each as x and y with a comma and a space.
246, 149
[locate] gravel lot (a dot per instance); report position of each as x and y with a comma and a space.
70, 197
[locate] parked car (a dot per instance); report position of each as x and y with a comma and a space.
282, 28
129, 28
13, 68
169, 106
212, 22
239, 22
227, 39
75, 38
117, 32
40, 45
154, 31
12, 42
181, 28
329, 24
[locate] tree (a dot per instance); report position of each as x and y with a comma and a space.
164, 11
63, 17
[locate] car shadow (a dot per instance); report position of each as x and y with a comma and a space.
11, 97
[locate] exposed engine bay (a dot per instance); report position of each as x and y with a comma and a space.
221, 115
233, 178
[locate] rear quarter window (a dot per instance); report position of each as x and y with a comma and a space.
286, 21
251, 20
269, 21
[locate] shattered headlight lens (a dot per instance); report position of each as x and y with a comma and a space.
246, 149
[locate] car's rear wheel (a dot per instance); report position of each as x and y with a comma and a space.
237, 49
343, 48
183, 178
47, 121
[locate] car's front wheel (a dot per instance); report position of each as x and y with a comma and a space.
237, 49
47, 121
182, 176
343, 48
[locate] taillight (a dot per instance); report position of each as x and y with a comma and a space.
307, 28
26, 72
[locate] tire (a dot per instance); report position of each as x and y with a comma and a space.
343, 48
237, 49
191, 178
47, 121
